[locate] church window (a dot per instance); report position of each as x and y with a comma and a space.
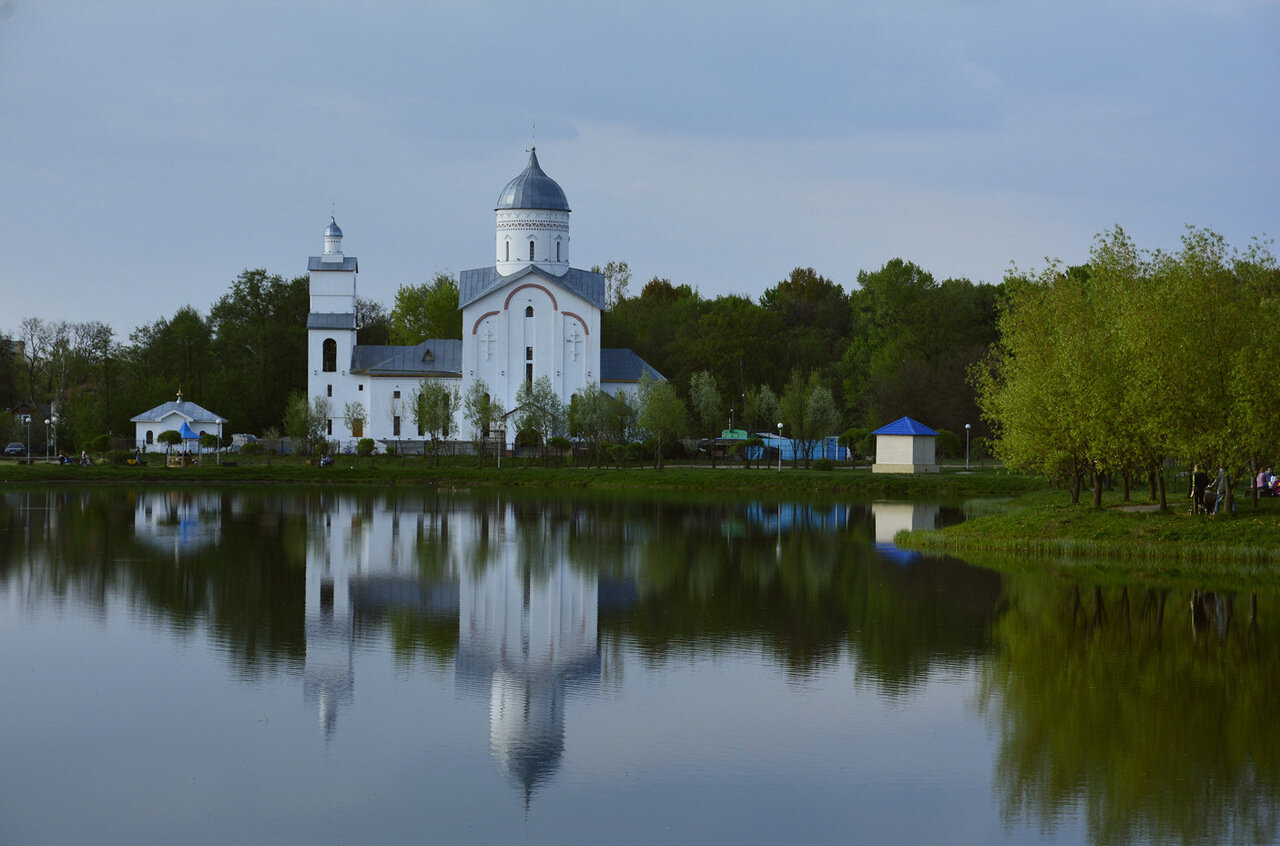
557, 251
508, 257
360, 387
151, 436
328, 390
395, 425
531, 251
330, 355
395, 395
421, 430
328, 427
528, 366
528, 311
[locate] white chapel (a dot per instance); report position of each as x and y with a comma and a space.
528, 315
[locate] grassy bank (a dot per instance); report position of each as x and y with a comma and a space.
951, 483
1120, 537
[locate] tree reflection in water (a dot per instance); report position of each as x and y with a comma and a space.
1150, 710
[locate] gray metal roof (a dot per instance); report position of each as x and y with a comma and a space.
323, 320
625, 366
332, 230
430, 358
532, 189
347, 263
474, 284
188, 410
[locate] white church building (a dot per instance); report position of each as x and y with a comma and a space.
528, 315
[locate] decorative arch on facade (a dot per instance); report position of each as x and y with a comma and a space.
507, 302
329, 355
586, 329
481, 319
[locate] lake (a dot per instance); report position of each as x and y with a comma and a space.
324, 666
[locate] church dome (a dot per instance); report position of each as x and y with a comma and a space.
332, 230
532, 189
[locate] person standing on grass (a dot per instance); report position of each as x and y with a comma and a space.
1199, 481
1220, 485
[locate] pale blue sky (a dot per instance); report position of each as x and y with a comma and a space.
153, 150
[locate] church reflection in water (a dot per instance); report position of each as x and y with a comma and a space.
526, 620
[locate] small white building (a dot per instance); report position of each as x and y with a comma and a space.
905, 446
171, 415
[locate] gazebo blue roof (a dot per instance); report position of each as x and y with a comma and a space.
906, 426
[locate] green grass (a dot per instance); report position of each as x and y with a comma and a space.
1044, 526
387, 470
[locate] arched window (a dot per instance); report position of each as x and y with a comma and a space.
557, 251
330, 355
508, 257
151, 437
528, 311
531, 251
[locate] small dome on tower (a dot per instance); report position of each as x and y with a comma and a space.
332, 230
532, 189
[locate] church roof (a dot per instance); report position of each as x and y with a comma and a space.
322, 320
189, 411
625, 366
332, 230
430, 358
474, 284
318, 263
532, 189
905, 426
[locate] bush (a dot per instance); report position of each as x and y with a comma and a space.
364, 448
824, 464
251, 448
118, 457
948, 445
100, 443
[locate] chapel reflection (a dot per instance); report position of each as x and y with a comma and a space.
488, 583
1148, 711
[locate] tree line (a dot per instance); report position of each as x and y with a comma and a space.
897, 343
1109, 369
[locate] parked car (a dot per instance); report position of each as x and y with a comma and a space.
15, 448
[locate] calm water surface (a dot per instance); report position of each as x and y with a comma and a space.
181, 666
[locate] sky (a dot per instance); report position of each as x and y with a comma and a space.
152, 151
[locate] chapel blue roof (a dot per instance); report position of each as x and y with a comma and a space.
532, 189
474, 284
905, 426
621, 365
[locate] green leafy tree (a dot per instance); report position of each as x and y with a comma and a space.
483, 413
588, 418
170, 438
373, 323
539, 410
617, 277
704, 401
434, 406
260, 346
305, 422
662, 415
427, 311
354, 417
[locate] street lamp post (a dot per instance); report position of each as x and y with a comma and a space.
26, 419
967, 427
53, 419
779, 447
46, 440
